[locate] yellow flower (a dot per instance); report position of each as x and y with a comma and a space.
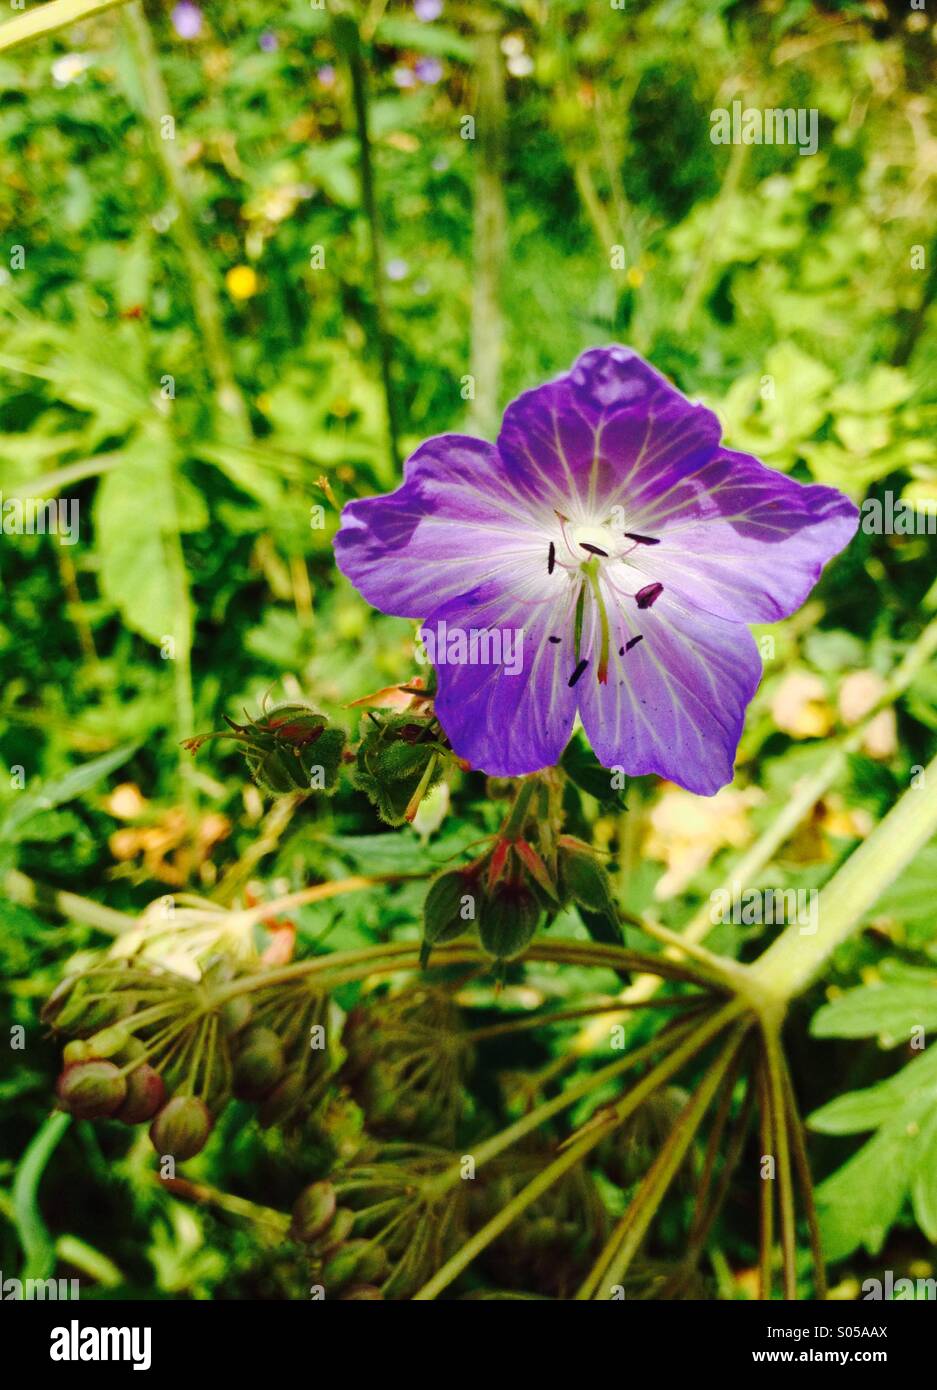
241, 281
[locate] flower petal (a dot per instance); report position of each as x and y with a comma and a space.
588, 439
506, 724
675, 701
740, 540
455, 522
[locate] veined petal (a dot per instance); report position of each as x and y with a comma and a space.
740, 540
455, 523
515, 714
674, 702
609, 427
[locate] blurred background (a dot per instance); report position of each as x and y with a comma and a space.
252, 255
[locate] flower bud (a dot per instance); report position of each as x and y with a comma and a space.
313, 1211
509, 919
336, 1233
77, 1050
55, 1004
259, 1063
145, 1095
236, 1014
90, 1090
280, 1103
444, 906
583, 878
108, 1042
182, 1127
358, 1260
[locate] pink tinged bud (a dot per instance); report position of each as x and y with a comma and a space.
145, 1095
91, 1090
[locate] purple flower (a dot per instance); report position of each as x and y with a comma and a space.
268, 41
612, 530
326, 75
397, 269
427, 10
428, 70
187, 19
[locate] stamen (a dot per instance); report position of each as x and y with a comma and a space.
648, 595
551, 558
642, 540
594, 549
634, 642
578, 672
554, 639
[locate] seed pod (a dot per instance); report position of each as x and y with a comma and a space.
259, 1064
280, 1103
313, 1211
336, 1233
358, 1260
509, 920
236, 1014
182, 1127
145, 1095
90, 1090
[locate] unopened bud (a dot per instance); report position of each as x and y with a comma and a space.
509, 919
90, 1090
145, 1095
182, 1127
259, 1064
313, 1211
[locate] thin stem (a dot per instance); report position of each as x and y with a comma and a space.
781, 1150
198, 268
804, 1178
46, 19
489, 231
583, 1144
348, 40
615, 1260
766, 1192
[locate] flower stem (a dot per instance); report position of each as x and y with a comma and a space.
46, 19
200, 273
794, 960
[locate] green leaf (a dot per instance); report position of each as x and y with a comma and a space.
55, 793
889, 1011
136, 528
924, 1180
860, 1202
582, 767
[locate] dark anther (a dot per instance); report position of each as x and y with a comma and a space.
642, 540
634, 642
578, 672
551, 558
554, 639
594, 549
648, 595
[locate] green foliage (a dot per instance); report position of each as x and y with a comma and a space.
210, 468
